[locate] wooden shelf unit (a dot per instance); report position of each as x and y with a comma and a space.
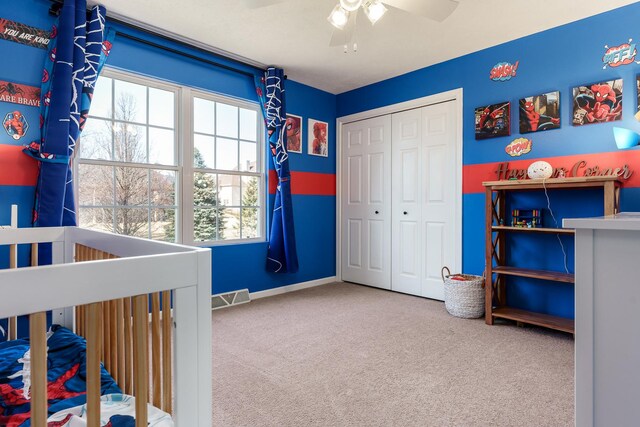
496, 193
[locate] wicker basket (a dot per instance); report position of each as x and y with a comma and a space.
463, 297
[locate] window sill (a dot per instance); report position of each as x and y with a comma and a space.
215, 243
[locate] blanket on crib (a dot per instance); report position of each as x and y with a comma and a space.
66, 365
116, 410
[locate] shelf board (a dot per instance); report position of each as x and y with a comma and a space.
532, 318
534, 229
535, 274
559, 183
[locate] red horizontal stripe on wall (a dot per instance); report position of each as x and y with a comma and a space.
16, 168
475, 175
307, 183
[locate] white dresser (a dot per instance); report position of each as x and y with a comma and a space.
607, 320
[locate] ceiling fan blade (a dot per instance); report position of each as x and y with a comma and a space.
254, 4
438, 10
344, 36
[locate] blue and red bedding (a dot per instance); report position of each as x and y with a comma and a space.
66, 369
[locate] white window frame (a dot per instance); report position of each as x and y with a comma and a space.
183, 155
188, 170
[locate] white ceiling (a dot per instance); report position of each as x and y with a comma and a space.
298, 39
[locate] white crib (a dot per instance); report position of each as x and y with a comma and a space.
96, 281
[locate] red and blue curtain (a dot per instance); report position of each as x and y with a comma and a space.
282, 256
77, 51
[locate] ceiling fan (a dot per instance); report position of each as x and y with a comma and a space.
345, 14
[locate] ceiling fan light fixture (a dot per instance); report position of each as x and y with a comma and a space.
374, 10
338, 17
350, 5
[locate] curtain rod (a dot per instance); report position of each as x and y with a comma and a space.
56, 7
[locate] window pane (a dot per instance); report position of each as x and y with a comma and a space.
226, 154
231, 227
249, 223
161, 146
204, 148
203, 116
161, 103
96, 140
227, 120
248, 125
96, 218
205, 191
206, 223
132, 222
250, 194
102, 97
229, 190
130, 143
163, 224
96, 187
132, 186
163, 188
130, 102
248, 156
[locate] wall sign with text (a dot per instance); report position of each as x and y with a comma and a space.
503, 71
24, 34
19, 94
623, 54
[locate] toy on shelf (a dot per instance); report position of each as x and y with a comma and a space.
526, 218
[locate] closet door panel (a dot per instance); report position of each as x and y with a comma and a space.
438, 194
365, 202
406, 215
354, 243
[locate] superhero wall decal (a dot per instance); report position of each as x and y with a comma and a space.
540, 112
597, 103
493, 120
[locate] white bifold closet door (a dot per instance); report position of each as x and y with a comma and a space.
423, 198
366, 202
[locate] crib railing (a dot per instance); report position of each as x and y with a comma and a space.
121, 334
119, 293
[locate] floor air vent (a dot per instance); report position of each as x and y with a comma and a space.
231, 298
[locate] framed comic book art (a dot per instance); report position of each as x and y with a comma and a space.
294, 133
493, 120
317, 138
540, 112
597, 102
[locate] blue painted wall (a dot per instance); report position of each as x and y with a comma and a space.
234, 266
557, 59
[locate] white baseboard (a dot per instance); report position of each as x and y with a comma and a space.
291, 288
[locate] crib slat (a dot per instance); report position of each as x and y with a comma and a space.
113, 341
167, 383
13, 256
13, 328
34, 254
128, 348
120, 342
155, 350
140, 357
94, 351
13, 321
106, 342
38, 340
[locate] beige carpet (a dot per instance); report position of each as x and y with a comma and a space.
349, 355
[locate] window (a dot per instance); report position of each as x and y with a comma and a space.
226, 171
132, 177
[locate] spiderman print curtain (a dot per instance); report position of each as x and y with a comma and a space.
282, 256
77, 51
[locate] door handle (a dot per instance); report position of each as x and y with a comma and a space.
405, 212
377, 212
